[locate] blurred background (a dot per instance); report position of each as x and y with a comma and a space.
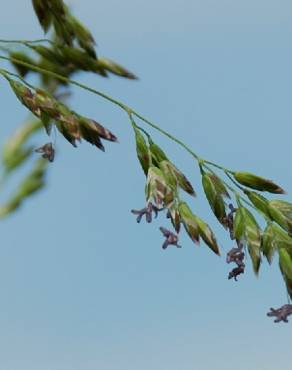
82, 285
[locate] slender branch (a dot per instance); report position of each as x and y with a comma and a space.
233, 181
4, 73
5, 49
218, 166
67, 80
26, 42
145, 133
134, 124
165, 133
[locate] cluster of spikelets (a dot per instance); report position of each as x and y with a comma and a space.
65, 60
72, 125
163, 182
72, 48
164, 179
54, 13
49, 110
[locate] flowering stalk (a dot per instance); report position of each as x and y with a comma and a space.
231, 194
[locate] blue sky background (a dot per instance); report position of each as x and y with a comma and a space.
82, 285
